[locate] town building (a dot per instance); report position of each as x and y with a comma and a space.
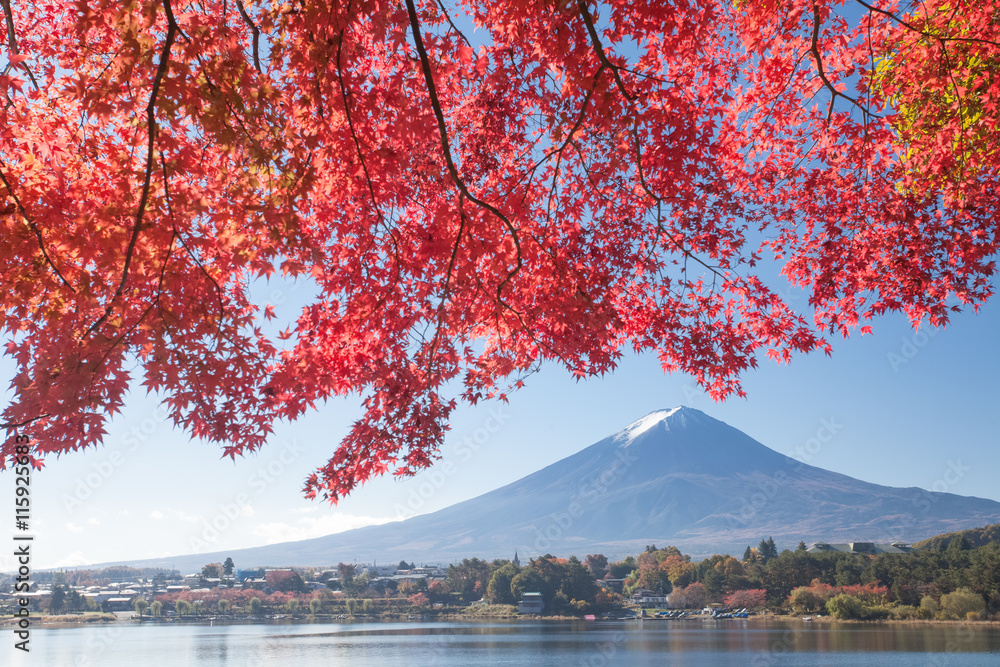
531, 603
870, 548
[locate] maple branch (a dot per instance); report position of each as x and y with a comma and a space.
35, 229
12, 425
368, 179
576, 125
256, 34
263, 154
922, 32
151, 128
461, 34
12, 40
659, 200
177, 235
814, 48
350, 125
446, 292
600, 50
425, 66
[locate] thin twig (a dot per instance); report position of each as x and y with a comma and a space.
819, 65
599, 49
11, 425
12, 38
256, 34
35, 229
443, 131
151, 128
922, 32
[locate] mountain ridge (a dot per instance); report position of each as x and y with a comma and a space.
674, 476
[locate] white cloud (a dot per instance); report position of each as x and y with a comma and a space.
309, 527
181, 516
93, 522
73, 528
175, 515
73, 560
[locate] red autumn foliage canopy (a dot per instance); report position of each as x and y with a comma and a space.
473, 189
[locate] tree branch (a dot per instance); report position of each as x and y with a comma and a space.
921, 32
151, 128
443, 131
350, 124
12, 38
814, 48
12, 425
659, 201
36, 230
461, 34
596, 40
256, 34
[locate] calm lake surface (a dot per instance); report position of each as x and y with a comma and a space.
696, 643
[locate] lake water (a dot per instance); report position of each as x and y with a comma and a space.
693, 642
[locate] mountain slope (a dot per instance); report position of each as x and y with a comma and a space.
675, 476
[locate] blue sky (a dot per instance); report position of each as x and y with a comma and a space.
900, 408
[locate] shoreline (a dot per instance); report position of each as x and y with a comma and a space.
49, 621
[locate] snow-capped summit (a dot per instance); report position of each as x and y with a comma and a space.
640, 426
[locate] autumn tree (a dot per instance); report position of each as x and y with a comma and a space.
767, 550
285, 581
499, 588
469, 579
597, 564
582, 179
622, 568
345, 571
58, 599
747, 598
212, 571
183, 607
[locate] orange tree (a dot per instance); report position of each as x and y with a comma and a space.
473, 189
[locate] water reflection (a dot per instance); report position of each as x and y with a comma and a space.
692, 642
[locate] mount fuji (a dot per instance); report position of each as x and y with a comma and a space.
672, 477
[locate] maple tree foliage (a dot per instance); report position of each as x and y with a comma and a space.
474, 189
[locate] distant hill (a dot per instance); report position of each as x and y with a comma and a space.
673, 477
974, 537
